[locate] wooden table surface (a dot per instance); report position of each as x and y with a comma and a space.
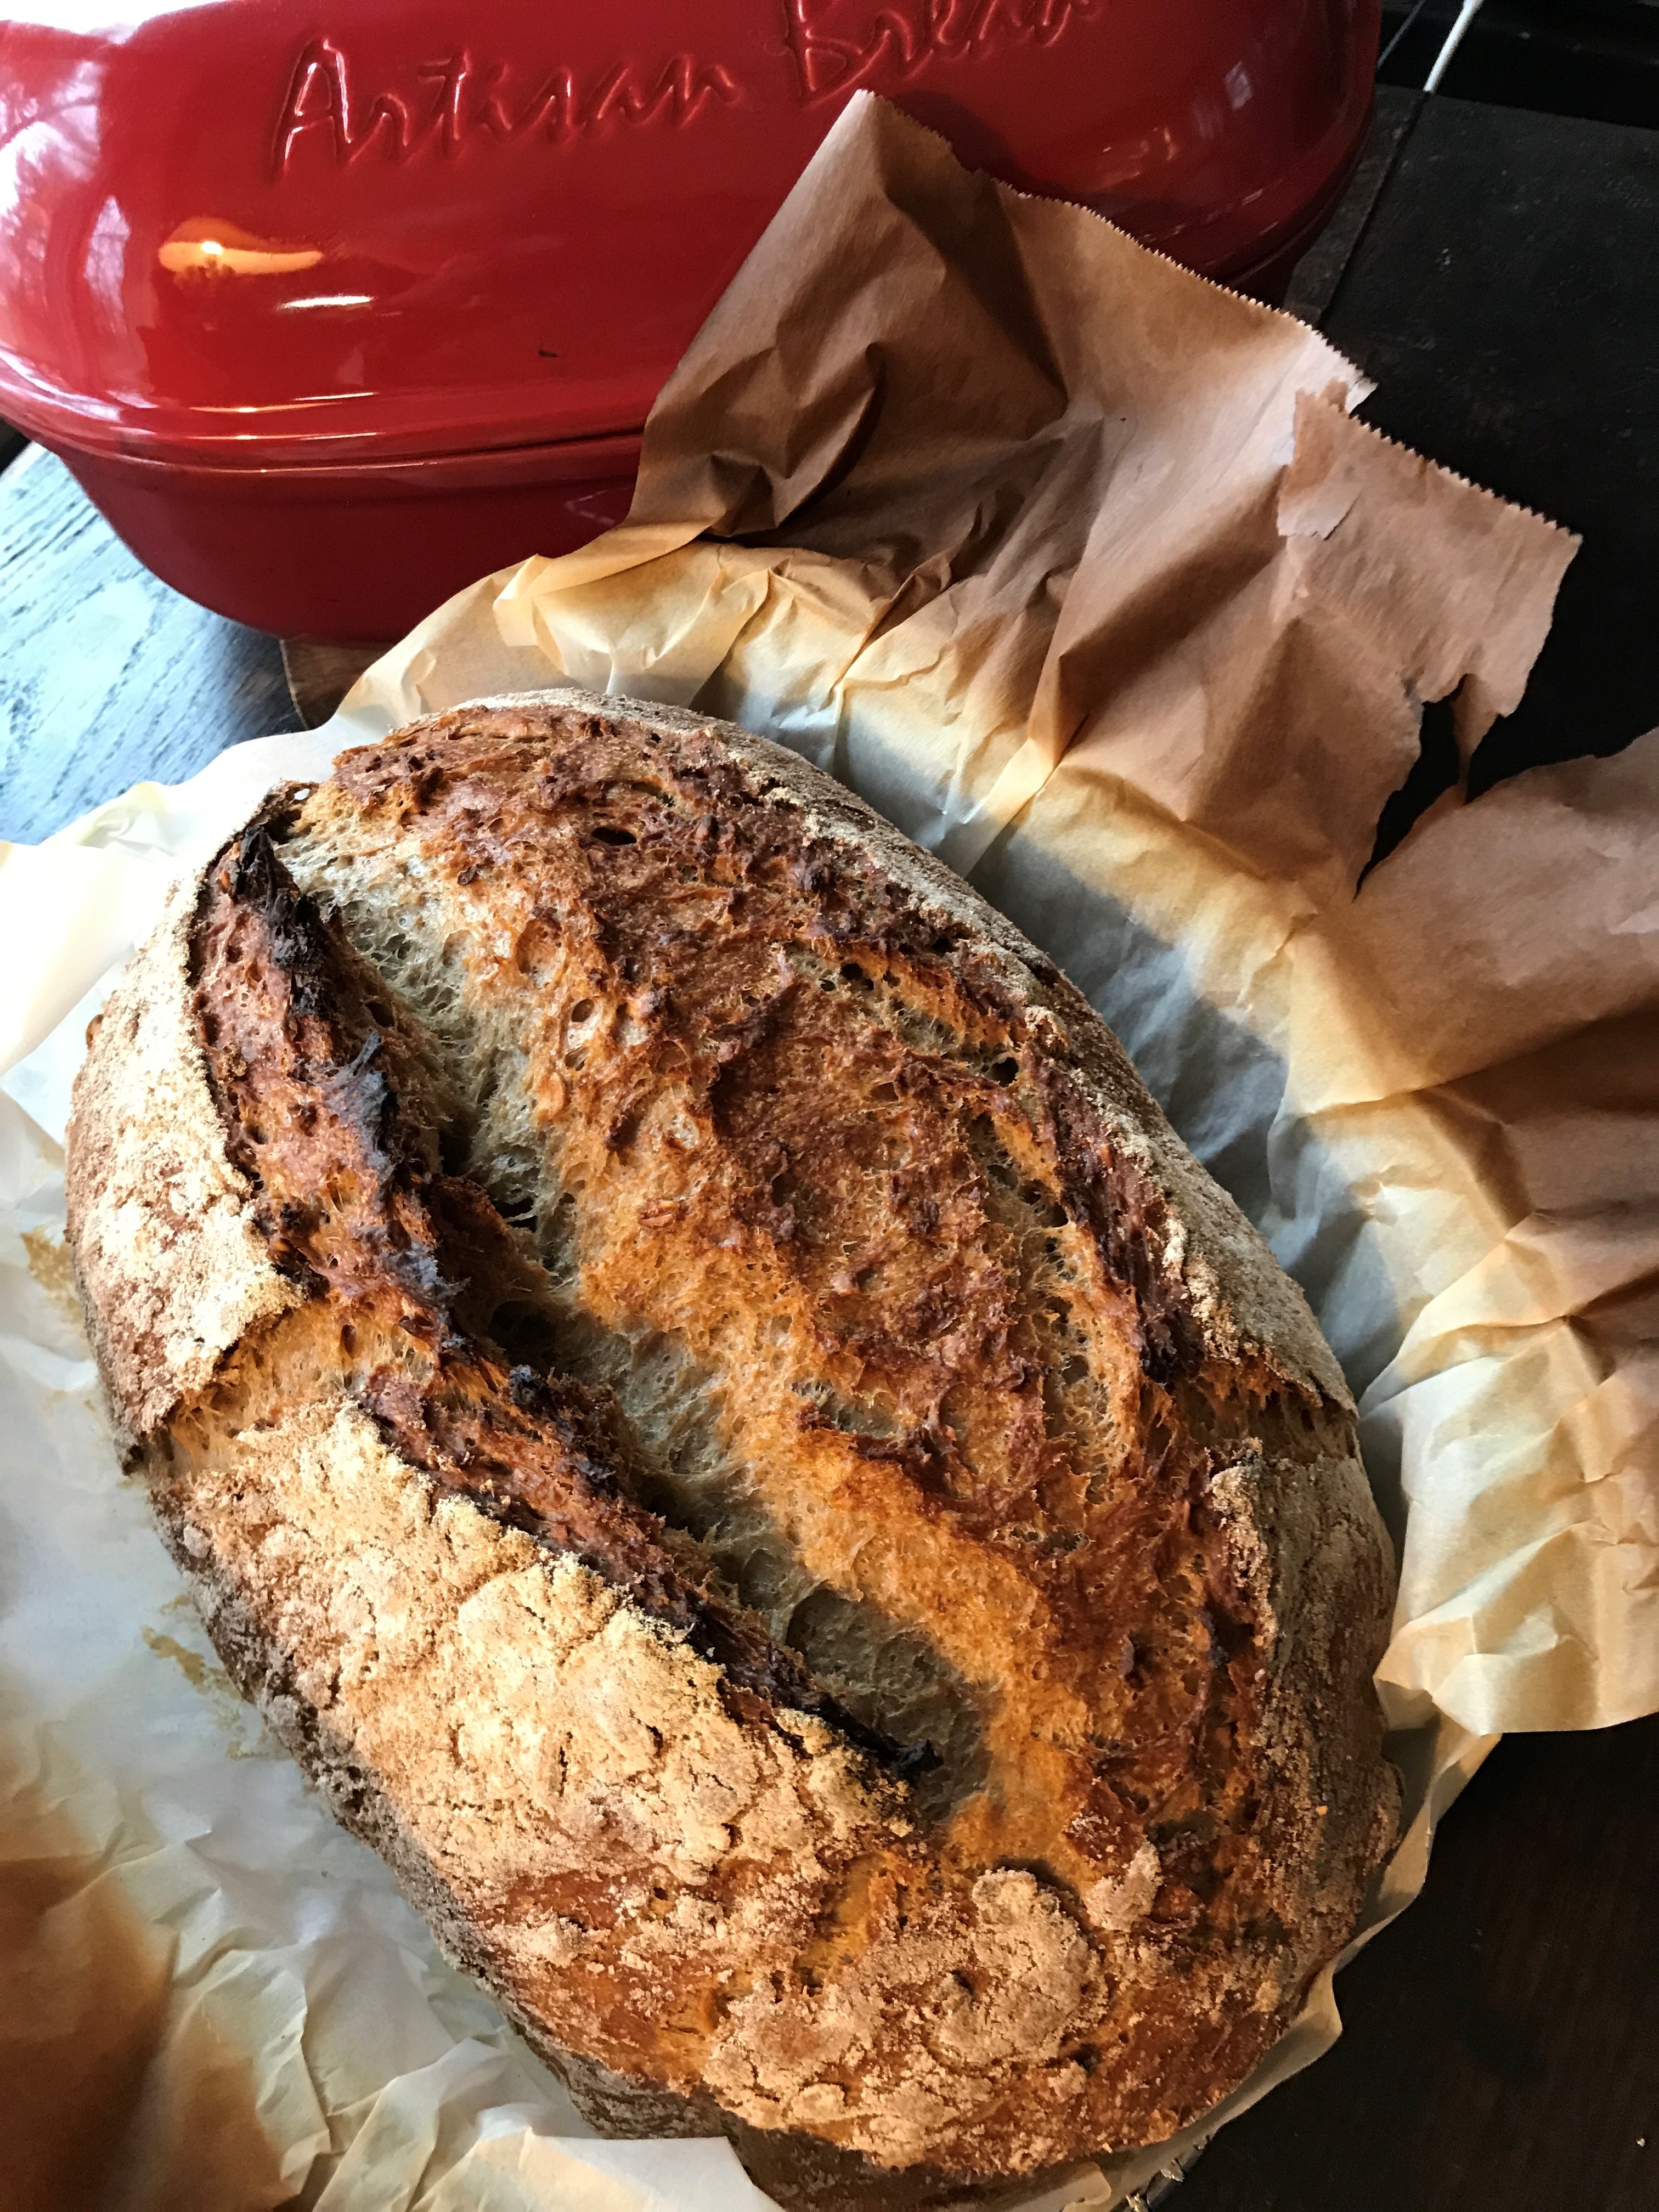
1496, 270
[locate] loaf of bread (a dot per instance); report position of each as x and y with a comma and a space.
706, 1403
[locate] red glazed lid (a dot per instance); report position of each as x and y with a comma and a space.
238, 231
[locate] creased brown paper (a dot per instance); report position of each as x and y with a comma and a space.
1080, 570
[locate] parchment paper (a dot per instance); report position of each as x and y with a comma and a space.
1080, 570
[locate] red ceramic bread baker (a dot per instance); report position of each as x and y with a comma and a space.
333, 308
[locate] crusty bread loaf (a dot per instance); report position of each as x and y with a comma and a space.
713, 1413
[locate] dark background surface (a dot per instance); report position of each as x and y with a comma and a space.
1597, 58
1500, 2051
1497, 270
1505, 297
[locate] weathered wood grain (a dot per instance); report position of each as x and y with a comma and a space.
107, 675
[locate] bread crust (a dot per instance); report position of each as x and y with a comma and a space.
972, 1770
171, 1269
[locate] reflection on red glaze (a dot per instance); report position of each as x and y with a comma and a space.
252, 233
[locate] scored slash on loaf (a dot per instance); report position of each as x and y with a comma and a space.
710, 1409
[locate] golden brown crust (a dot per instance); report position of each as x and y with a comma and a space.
170, 1266
810, 1294
331, 1111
